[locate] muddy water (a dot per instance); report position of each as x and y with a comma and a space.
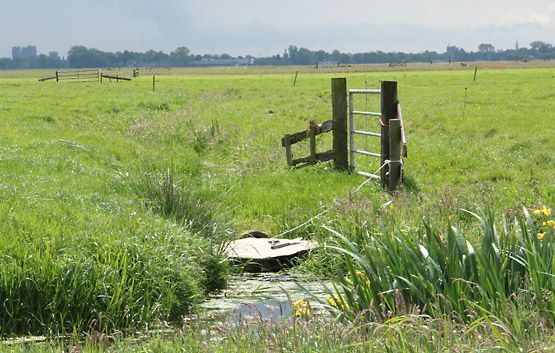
265, 296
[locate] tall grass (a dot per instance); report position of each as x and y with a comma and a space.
184, 201
65, 271
410, 333
107, 284
505, 272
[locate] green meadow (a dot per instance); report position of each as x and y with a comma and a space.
115, 198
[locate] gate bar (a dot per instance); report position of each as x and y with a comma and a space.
366, 113
367, 133
366, 153
365, 91
368, 175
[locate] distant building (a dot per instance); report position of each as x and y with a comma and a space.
223, 62
28, 52
452, 49
516, 46
16, 52
53, 55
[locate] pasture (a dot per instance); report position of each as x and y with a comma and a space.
114, 197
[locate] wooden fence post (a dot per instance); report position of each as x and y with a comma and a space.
389, 103
339, 108
153, 83
312, 136
395, 164
57, 77
288, 153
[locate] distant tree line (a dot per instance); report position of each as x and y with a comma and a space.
83, 57
41, 61
486, 52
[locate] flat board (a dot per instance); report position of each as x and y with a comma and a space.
259, 249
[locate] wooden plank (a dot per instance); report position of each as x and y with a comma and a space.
298, 136
320, 157
339, 108
47, 78
261, 248
389, 111
115, 77
395, 165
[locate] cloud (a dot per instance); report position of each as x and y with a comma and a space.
267, 27
528, 18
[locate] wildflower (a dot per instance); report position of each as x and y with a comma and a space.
302, 308
337, 302
363, 278
543, 210
442, 237
541, 235
551, 223
392, 207
331, 301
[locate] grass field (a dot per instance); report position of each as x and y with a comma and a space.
113, 196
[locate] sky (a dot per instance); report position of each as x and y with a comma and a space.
268, 27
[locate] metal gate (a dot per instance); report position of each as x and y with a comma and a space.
354, 131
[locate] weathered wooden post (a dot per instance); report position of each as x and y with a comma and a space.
312, 136
153, 83
339, 108
389, 103
395, 164
57, 77
286, 142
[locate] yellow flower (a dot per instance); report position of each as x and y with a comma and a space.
442, 237
551, 223
363, 278
541, 236
302, 308
392, 207
337, 302
331, 301
543, 210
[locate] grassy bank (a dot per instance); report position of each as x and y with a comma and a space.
114, 196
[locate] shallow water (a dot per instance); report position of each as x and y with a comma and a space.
265, 297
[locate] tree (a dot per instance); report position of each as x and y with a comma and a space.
538, 44
486, 48
181, 56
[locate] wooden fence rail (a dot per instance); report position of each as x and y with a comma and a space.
393, 140
77, 75
112, 77
310, 133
